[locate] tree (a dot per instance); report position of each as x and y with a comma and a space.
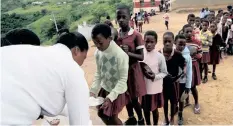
43, 11
24, 6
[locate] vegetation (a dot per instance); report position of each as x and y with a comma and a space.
38, 18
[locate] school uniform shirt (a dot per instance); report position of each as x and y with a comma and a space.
166, 17
187, 79
40, 81
112, 71
157, 63
230, 33
206, 40
202, 14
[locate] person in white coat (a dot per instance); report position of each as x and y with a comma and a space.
42, 80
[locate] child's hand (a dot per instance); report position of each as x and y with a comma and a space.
92, 95
125, 48
55, 122
106, 103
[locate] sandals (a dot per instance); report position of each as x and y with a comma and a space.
197, 109
180, 121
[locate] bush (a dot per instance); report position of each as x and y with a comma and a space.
43, 11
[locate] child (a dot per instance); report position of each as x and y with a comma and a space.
198, 23
140, 21
132, 43
113, 30
229, 40
156, 61
166, 18
174, 61
215, 49
186, 81
131, 22
196, 55
110, 80
146, 17
206, 39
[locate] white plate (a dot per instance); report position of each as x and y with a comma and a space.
183, 96
95, 101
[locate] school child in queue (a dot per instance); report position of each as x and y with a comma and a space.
154, 83
196, 54
206, 40
229, 40
174, 61
185, 81
131, 42
110, 81
215, 49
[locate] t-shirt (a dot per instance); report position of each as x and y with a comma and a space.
41, 81
166, 17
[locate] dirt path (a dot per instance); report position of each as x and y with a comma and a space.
216, 97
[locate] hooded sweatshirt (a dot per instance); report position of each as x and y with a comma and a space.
187, 79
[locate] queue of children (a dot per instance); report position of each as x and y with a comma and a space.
154, 77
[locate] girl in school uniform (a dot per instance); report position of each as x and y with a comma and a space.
131, 42
215, 48
174, 62
196, 54
206, 40
154, 83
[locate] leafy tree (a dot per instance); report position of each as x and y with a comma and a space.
43, 11
24, 6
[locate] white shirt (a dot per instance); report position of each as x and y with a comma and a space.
41, 80
166, 17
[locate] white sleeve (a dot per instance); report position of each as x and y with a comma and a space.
77, 96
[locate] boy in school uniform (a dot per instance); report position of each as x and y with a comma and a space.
110, 80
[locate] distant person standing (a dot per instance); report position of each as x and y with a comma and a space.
166, 18
202, 13
146, 17
136, 20
140, 21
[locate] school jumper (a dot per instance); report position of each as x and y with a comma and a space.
171, 88
41, 81
154, 97
206, 40
215, 49
110, 79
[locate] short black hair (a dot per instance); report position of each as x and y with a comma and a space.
74, 39
205, 20
186, 26
197, 18
109, 23
180, 36
190, 16
219, 11
20, 36
63, 30
124, 7
102, 29
225, 13
169, 33
152, 33
108, 17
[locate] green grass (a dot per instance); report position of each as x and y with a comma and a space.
32, 9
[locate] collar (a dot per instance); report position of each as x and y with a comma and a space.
172, 53
130, 32
110, 47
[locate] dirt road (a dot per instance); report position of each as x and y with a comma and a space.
216, 97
